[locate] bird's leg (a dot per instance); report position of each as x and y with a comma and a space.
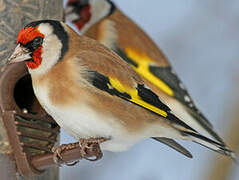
87, 147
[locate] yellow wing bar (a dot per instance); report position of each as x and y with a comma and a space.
116, 84
143, 62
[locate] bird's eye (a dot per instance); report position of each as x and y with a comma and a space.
37, 42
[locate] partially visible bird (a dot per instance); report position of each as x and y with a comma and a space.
92, 93
103, 21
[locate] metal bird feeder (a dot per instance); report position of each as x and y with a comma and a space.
31, 132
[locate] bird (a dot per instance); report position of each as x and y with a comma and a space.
104, 22
91, 92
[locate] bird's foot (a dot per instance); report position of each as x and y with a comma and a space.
58, 150
88, 148
91, 146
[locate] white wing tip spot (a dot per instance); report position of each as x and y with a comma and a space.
181, 86
187, 98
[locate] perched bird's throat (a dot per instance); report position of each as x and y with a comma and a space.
36, 60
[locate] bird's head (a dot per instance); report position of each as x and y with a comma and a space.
41, 44
84, 13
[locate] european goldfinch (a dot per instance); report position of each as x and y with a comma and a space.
101, 20
92, 93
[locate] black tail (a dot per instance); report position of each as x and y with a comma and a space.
173, 144
215, 146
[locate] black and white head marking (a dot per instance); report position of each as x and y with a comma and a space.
55, 43
58, 30
99, 9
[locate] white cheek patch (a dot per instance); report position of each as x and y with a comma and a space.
51, 51
45, 28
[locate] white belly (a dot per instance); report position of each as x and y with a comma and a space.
83, 122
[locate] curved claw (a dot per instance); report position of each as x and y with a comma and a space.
57, 155
72, 164
97, 157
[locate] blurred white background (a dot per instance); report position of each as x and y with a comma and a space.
201, 40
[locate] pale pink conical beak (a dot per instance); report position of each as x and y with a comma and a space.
20, 54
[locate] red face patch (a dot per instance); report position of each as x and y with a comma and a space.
37, 59
85, 16
27, 35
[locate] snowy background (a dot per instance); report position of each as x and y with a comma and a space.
201, 40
